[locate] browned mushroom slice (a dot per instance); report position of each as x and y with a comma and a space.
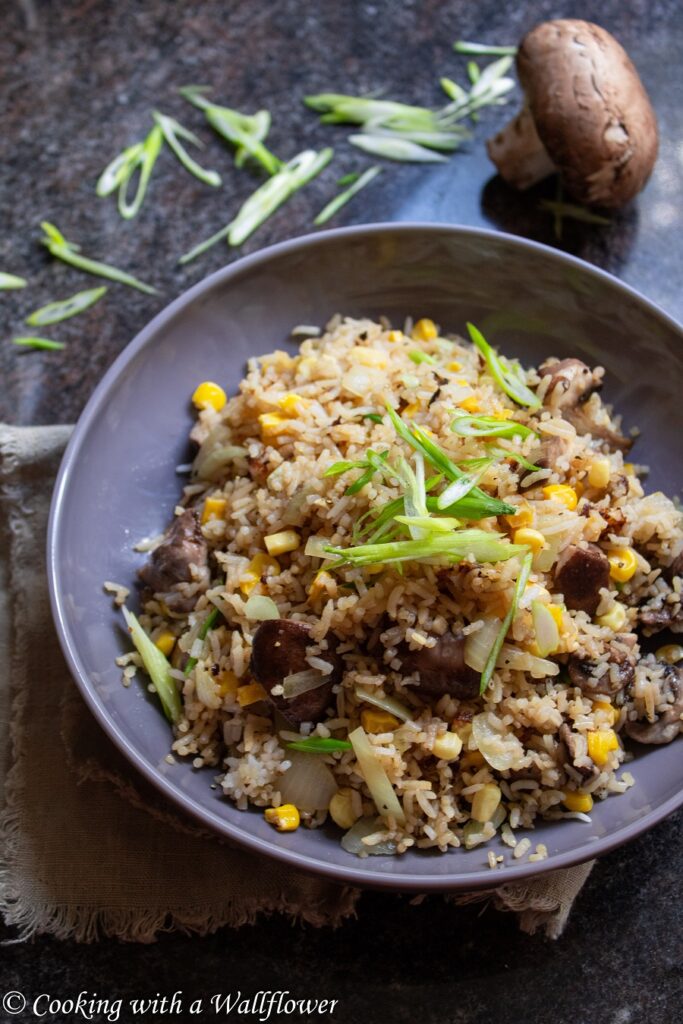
169, 565
551, 449
586, 116
441, 669
279, 650
669, 724
571, 385
580, 573
570, 740
620, 670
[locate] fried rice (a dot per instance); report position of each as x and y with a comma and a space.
291, 479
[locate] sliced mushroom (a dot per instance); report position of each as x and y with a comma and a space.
572, 384
441, 669
279, 650
551, 449
669, 724
619, 675
663, 613
580, 574
170, 564
586, 116
570, 740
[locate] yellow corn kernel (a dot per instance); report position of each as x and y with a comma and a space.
472, 759
425, 330
485, 801
670, 653
447, 746
463, 729
341, 808
622, 564
369, 357
395, 336
292, 404
531, 538
599, 473
469, 404
250, 694
579, 488
271, 423
562, 493
454, 366
577, 801
629, 469
165, 642
214, 508
607, 709
227, 683
600, 744
375, 720
285, 818
209, 395
281, 543
504, 414
523, 517
614, 619
320, 583
411, 409
556, 612
260, 565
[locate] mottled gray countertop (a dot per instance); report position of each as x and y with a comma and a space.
78, 81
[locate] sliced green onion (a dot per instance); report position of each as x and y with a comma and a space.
55, 312
430, 524
522, 580
453, 90
319, 745
206, 626
397, 148
119, 170
460, 488
156, 666
376, 779
421, 357
483, 49
489, 426
348, 179
506, 379
246, 132
574, 212
505, 453
390, 704
40, 343
473, 506
58, 247
336, 204
473, 71
173, 131
343, 467
10, 281
207, 244
146, 160
482, 545
374, 416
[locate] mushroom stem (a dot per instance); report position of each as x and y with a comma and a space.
519, 155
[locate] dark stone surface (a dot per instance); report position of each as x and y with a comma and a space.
79, 79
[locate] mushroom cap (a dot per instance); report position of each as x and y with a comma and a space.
590, 109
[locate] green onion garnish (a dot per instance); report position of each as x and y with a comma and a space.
484, 546
489, 426
348, 179
421, 357
9, 281
336, 204
145, 161
40, 343
506, 377
266, 199
319, 745
372, 463
396, 148
244, 131
374, 416
206, 626
55, 312
574, 212
119, 170
69, 253
522, 580
157, 667
173, 132
473, 71
483, 49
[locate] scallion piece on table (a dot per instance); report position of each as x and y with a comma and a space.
396, 148
207, 625
506, 377
483, 49
244, 131
348, 179
145, 161
173, 132
68, 252
119, 170
521, 583
39, 343
574, 212
156, 666
336, 204
319, 745
55, 312
11, 281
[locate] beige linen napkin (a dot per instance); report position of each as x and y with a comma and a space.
87, 848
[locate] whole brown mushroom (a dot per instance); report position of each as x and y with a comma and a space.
586, 116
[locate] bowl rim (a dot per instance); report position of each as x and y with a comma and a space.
357, 875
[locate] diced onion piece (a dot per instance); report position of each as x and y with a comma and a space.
259, 608
362, 380
522, 661
156, 666
478, 645
376, 778
352, 841
302, 682
545, 627
207, 690
214, 464
315, 547
308, 783
476, 832
390, 704
502, 751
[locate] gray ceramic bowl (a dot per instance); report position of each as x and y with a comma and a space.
118, 483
